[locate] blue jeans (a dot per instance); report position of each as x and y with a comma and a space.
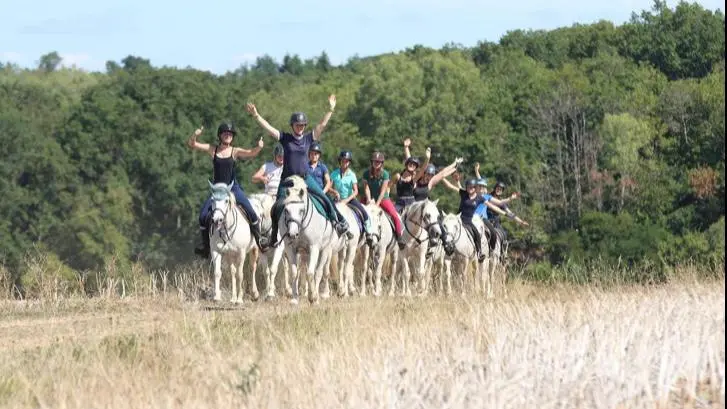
206, 212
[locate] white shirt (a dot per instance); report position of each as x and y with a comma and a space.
273, 172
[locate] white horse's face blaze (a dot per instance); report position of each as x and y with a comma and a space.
294, 214
221, 194
450, 224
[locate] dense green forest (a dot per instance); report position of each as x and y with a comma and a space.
614, 135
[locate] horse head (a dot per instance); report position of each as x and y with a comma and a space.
451, 223
377, 219
296, 204
222, 201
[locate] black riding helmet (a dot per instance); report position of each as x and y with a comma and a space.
298, 118
414, 160
471, 182
278, 150
226, 127
499, 184
315, 147
430, 170
345, 155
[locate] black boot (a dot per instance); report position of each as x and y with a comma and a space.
203, 250
255, 230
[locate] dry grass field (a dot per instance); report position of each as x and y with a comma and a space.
540, 347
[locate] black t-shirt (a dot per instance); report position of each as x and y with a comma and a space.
467, 206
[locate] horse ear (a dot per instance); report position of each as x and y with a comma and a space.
436, 201
210, 183
229, 187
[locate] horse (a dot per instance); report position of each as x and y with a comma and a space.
230, 239
465, 251
262, 203
345, 248
384, 241
421, 225
302, 226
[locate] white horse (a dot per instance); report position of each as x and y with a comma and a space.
421, 229
384, 242
345, 248
230, 239
262, 203
302, 227
465, 252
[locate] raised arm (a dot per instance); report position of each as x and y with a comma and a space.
241, 153
318, 131
262, 122
495, 208
194, 145
444, 173
477, 170
450, 185
423, 168
407, 152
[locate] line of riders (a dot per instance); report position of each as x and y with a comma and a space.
299, 153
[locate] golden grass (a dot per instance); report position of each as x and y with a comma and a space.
542, 347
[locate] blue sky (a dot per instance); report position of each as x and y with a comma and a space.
221, 35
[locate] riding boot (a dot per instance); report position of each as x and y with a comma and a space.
255, 230
203, 250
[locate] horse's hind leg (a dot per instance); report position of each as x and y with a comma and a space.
217, 260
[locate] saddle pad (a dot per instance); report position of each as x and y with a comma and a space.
358, 216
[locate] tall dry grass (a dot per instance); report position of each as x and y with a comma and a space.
564, 346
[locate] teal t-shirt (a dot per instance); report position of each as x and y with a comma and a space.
343, 183
375, 183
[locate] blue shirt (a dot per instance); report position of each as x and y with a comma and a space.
344, 183
319, 173
295, 154
482, 207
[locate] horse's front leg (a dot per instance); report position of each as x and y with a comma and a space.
448, 276
292, 259
326, 277
236, 269
217, 261
313, 271
378, 262
365, 274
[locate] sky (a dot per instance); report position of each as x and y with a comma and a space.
219, 36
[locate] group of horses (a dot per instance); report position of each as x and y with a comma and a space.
305, 233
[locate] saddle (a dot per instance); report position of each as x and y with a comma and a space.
358, 216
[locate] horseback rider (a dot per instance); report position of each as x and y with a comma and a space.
468, 202
495, 204
345, 189
376, 190
318, 169
405, 181
295, 150
270, 172
224, 156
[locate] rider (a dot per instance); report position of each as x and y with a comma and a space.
495, 202
318, 169
224, 156
406, 180
345, 188
468, 202
502, 203
295, 148
269, 173
376, 188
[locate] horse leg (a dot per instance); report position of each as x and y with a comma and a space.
448, 277
379, 266
349, 262
365, 269
406, 281
254, 257
241, 277
217, 260
290, 253
311, 273
393, 274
